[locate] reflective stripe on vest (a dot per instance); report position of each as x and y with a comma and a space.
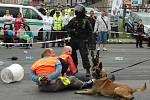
44, 65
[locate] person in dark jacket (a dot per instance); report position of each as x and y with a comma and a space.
140, 33
92, 20
80, 29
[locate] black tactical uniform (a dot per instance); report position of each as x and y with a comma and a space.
80, 29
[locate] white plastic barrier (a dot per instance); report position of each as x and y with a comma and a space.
13, 73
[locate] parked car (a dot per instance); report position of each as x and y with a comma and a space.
133, 19
32, 16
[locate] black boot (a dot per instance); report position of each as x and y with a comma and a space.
87, 72
43, 45
53, 45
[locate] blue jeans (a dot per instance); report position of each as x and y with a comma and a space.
102, 37
46, 37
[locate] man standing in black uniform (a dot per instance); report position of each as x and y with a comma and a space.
80, 29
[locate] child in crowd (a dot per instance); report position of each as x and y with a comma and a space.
30, 39
20, 33
140, 34
27, 37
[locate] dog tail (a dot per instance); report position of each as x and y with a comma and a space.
141, 89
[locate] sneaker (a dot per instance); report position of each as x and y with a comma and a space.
98, 48
108, 40
119, 41
104, 49
112, 40
141, 47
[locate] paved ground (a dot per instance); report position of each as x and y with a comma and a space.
27, 90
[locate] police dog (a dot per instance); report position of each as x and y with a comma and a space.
97, 66
104, 86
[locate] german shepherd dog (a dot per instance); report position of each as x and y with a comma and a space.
97, 67
104, 86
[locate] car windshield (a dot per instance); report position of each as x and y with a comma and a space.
146, 20
144, 16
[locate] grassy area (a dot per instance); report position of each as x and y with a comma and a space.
121, 29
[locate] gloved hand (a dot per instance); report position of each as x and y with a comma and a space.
49, 77
42, 80
34, 78
95, 34
66, 81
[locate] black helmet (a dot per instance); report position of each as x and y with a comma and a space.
80, 11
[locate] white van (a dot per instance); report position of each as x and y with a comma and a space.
32, 16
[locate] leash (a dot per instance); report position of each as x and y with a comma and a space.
129, 66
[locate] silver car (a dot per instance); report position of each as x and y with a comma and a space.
133, 19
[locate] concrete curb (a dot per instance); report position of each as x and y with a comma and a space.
124, 41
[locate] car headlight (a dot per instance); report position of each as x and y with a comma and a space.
146, 30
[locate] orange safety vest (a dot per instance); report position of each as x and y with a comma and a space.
68, 58
45, 65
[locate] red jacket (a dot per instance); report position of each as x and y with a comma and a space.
18, 22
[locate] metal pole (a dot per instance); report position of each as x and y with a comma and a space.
124, 15
71, 3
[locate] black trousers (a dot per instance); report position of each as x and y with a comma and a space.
139, 40
80, 45
115, 29
57, 35
8, 39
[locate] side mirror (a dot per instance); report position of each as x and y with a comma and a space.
135, 22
